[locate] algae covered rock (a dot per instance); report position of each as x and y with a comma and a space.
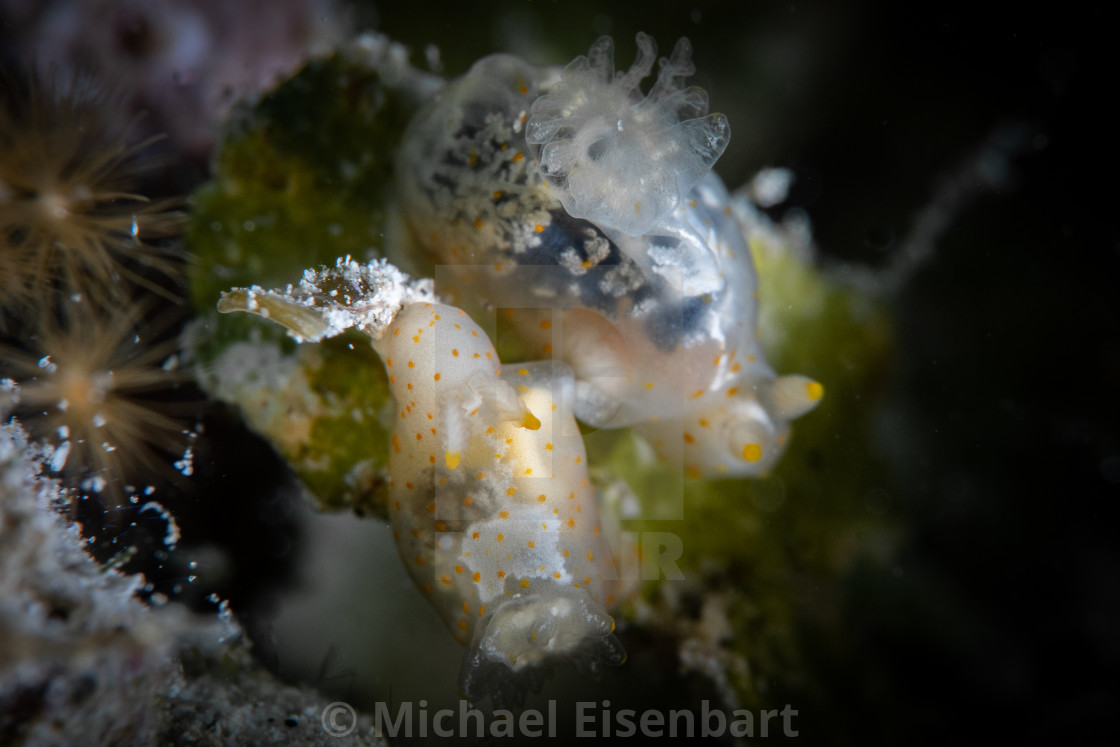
299, 179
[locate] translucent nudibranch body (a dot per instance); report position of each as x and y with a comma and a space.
490, 502
512, 184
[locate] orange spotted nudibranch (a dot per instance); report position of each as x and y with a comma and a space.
490, 502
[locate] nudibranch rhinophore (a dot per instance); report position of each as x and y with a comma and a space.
573, 193
490, 502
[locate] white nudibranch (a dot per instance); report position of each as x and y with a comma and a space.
617, 158
589, 217
520, 184
490, 502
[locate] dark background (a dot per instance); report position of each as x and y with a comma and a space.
1005, 616
1005, 621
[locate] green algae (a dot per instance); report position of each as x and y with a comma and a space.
300, 178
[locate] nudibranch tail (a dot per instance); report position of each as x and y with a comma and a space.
526, 633
330, 300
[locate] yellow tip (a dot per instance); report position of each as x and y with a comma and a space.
452, 459
530, 421
752, 452
814, 390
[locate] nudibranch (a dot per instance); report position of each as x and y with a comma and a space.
569, 194
489, 497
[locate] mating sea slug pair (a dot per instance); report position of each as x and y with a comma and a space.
588, 213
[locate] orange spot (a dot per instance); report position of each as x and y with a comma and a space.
688, 439
500, 537
548, 447
524, 583
501, 574
541, 498
454, 352
476, 577
437, 376
511, 490
474, 535
503, 514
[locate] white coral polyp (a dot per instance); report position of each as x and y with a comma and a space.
615, 158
